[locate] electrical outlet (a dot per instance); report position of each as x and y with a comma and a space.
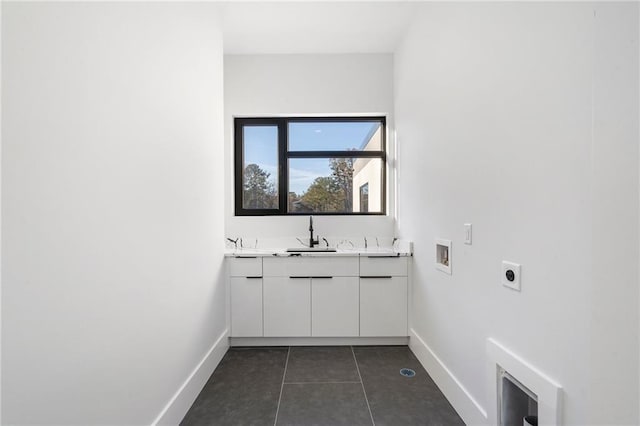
511, 275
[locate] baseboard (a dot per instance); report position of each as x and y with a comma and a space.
182, 400
462, 401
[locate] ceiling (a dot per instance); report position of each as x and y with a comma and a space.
314, 27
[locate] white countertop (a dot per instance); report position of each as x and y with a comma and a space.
381, 252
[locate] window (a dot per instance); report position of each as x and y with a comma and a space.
320, 165
364, 198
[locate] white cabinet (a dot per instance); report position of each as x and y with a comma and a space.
245, 266
383, 306
321, 296
383, 296
287, 307
311, 296
383, 266
311, 266
245, 282
246, 306
335, 307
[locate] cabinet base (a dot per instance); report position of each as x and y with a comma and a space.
318, 341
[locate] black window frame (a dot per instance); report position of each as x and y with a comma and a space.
283, 160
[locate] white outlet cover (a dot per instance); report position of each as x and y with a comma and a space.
467, 233
515, 267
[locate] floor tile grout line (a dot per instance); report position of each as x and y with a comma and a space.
284, 374
322, 383
362, 383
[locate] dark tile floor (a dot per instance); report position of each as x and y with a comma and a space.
337, 385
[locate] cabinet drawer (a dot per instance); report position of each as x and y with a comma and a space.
319, 266
245, 266
383, 266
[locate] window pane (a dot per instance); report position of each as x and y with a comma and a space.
367, 175
260, 167
333, 185
364, 198
335, 136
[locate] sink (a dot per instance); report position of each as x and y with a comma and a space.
311, 249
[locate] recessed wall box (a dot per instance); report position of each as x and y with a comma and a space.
443, 255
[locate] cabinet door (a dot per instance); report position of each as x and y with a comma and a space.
334, 306
287, 307
246, 307
383, 306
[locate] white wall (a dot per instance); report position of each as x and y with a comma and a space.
522, 118
272, 85
0, 217
614, 185
112, 231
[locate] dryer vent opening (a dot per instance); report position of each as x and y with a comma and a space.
518, 405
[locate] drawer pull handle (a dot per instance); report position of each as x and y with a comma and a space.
384, 256
315, 278
253, 278
245, 257
378, 276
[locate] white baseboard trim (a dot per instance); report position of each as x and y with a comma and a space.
462, 401
182, 400
316, 341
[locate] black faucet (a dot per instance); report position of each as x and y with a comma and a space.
312, 242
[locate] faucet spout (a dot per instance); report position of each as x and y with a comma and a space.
312, 242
